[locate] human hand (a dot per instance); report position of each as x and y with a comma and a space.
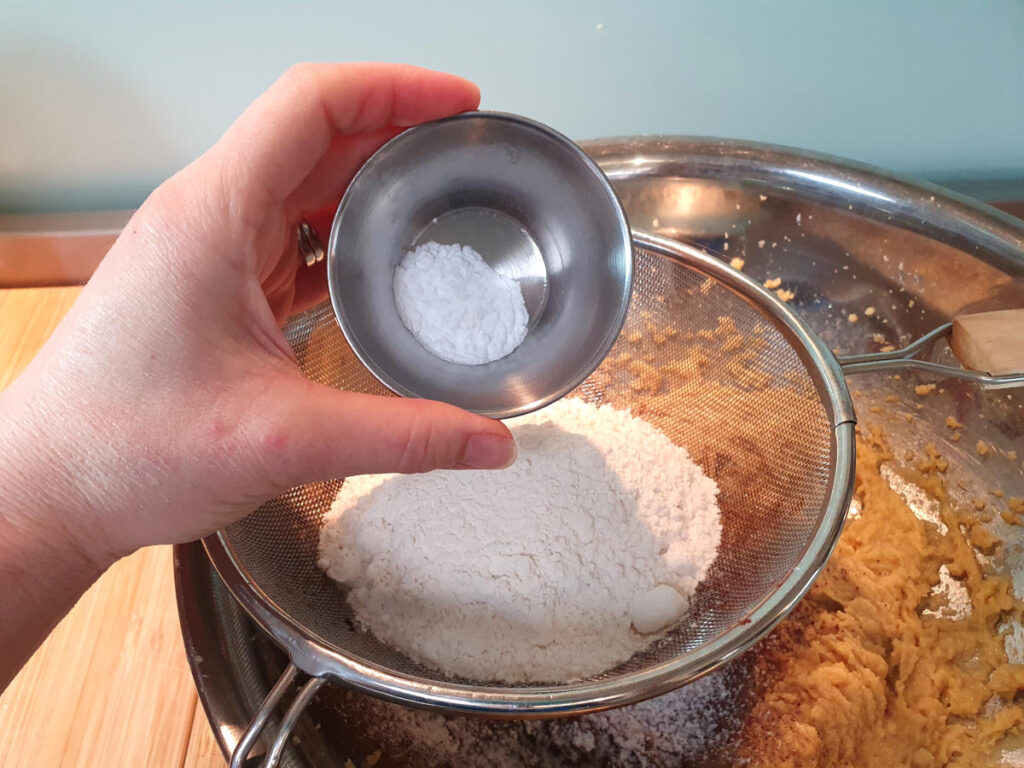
168, 403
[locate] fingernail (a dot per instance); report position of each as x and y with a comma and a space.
488, 451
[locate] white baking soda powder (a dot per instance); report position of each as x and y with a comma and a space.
457, 306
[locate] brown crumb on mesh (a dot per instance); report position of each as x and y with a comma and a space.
372, 759
952, 423
706, 286
773, 283
920, 406
634, 338
979, 504
1016, 504
910, 417
852, 317
784, 294
704, 333
955, 437
869, 311
997, 493
924, 389
897, 377
1011, 455
732, 343
876, 409
982, 448
749, 378
648, 379
892, 399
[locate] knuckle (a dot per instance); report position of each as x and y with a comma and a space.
425, 447
300, 76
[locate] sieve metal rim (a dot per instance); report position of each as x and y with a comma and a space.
309, 653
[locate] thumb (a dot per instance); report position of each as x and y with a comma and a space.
330, 433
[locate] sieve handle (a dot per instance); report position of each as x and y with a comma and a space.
906, 359
241, 752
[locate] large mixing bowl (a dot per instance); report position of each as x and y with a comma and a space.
841, 237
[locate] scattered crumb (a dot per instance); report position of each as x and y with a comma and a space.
852, 317
725, 247
1011, 455
920, 406
736, 262
760, 243
876, 409
892, 399
924, 389
887, 348
869, 311
784, 294
655, 223
897, 377
911, 303
955, 437
773, 283
982, 448
952, 423
997, 493
763, 197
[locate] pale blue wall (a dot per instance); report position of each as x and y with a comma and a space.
102, 99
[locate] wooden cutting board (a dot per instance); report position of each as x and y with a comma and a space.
111, 685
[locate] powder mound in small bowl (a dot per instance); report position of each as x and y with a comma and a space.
557, 568
457, 306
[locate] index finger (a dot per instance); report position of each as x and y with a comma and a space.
278, 140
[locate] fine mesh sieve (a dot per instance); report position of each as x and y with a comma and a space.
721, 366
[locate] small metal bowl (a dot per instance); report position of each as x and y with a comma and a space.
534, 206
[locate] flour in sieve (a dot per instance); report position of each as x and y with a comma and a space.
457, 306
541, 572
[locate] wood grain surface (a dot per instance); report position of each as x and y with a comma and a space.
111, 685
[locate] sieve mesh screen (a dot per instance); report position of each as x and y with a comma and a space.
711, 369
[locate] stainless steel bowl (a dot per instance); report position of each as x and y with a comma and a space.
534, 206
865, 237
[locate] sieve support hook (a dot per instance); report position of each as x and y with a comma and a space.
239, 757
906, 359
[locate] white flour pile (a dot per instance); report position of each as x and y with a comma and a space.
558, 567
457, 306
